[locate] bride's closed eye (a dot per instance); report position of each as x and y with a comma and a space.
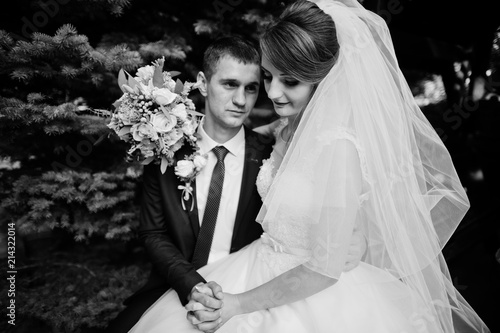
287, 82
291, 82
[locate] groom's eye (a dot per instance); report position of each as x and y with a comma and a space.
252, 88
266, 76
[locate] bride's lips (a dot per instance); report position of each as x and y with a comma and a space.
280, 105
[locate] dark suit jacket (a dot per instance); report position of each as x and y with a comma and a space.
169, 233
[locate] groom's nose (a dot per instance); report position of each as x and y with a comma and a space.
239, 98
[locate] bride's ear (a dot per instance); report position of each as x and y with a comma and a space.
201, 83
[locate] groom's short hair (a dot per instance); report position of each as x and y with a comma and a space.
234, 46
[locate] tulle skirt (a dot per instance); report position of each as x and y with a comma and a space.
366, 299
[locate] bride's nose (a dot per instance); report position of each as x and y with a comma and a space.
274, 91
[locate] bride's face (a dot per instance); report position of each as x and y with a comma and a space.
288, 95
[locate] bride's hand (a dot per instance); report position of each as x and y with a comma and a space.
231, 308
202, 318
205, 302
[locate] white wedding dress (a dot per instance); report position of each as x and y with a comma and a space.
365, 299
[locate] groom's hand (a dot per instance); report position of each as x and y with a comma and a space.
208, 294
357, 249
204, 306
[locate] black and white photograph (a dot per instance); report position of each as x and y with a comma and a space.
231, 166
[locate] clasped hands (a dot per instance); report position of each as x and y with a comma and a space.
209, 308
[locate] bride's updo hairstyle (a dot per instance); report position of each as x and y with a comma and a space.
302, 42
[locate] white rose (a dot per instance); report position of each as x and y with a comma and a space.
180, 111
172, 137
163, 123
199, 162
170, 84
142, 131
145, 73
184, 168
189, 127
163, 96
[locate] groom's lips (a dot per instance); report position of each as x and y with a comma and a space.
237, 111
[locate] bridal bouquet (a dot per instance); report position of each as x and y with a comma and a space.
156, 117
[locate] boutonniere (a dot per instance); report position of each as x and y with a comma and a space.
187, 169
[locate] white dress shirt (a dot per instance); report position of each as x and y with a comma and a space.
234, 162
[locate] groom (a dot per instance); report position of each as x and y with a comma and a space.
230, 84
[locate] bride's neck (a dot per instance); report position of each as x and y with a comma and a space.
289, 129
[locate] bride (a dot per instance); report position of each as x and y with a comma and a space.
352, 150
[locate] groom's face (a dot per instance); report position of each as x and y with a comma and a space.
230, 94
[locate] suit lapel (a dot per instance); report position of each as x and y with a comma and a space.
187, 150
250, 169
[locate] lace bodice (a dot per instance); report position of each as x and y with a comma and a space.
285, 243
287, 239
270, 166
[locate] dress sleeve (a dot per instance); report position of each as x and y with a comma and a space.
338, 196
322, 187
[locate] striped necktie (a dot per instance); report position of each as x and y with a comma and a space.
206, 234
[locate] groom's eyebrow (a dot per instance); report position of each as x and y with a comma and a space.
229, 81
238, 82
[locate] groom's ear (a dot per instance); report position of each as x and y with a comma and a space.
202, 82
